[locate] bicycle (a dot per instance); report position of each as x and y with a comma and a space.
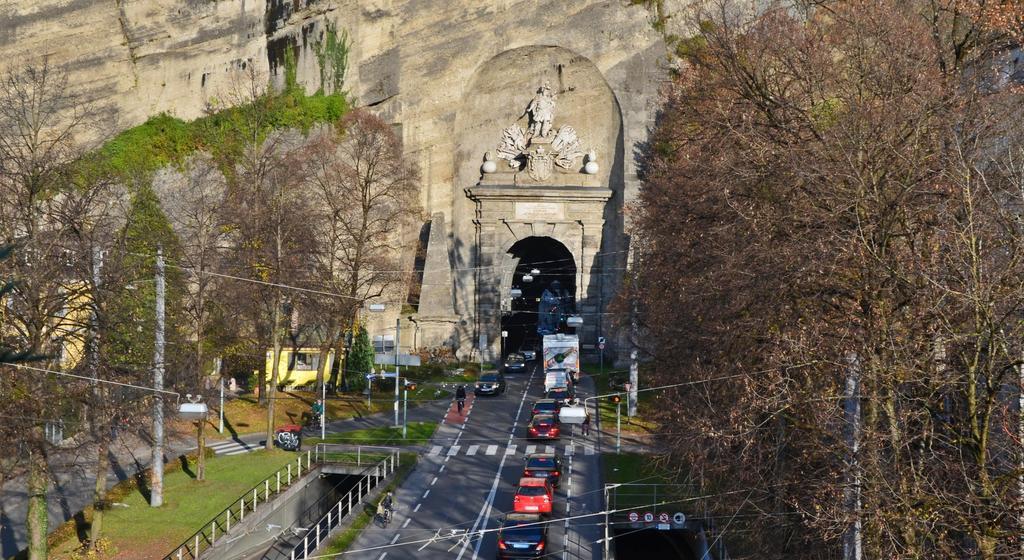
384, 519
461, 403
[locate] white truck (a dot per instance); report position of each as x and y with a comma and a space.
561, 360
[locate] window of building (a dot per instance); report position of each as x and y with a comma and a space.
305, 361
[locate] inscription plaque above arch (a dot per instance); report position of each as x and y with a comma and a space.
539, 211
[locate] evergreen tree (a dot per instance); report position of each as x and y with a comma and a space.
360, 360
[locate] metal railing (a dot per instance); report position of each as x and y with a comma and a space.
214, 530
371, 478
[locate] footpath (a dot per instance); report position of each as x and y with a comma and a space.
74, 468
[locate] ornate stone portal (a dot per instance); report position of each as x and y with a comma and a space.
547, 187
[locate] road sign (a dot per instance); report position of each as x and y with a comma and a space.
662, 517
600, 346
504, 334
648, 517
664, 527
600, 340
388, 359
679, 518
634, 517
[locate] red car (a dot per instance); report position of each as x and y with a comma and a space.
534, 495
543, 426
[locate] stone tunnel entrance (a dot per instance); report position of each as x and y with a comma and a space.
542, 265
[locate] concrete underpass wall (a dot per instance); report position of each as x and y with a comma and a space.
270, 529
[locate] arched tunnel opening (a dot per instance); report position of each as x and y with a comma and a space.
542, 295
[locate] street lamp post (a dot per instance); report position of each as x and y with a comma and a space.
398, 335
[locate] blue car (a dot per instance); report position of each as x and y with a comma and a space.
515, 362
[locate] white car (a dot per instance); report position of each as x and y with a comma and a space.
528, 354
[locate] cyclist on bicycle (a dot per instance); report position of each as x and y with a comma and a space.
317, 413
460, 397
389, 505
382, 514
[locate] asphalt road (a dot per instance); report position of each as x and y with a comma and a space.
451, 505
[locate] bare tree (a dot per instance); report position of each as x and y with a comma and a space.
194, 203
366, 197
827, 198
42, 130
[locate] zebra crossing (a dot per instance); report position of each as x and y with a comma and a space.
568, 450
234, 447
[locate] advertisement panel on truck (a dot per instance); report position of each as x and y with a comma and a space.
561, 359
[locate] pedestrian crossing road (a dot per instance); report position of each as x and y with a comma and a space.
568, 450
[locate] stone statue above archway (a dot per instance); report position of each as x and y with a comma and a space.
540, 148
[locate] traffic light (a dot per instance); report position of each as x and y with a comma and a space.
616, 399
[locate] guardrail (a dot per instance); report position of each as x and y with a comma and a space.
323, 528
217, 528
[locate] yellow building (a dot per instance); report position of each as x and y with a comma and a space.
297, 366
68, 329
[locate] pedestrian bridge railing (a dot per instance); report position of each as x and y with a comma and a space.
385, 466
217, 528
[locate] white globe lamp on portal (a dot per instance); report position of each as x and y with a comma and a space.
489, 166
591, 167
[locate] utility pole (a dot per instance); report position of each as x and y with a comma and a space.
1020, 459
218, 362
852, 544
634, 367
398, 338
156, 485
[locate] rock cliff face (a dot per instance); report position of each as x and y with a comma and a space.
450, 75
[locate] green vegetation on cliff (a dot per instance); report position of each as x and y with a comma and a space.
165, 140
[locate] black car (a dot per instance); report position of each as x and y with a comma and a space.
522, 535
546, 406
561, 394
544, 465
515, 362
490, 384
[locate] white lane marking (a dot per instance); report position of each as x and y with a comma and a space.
472, 449
432, 482
492, 449
417, 508
531, 449
511, 450
485, 511
394, 540
588, 450
382, 555
549, 449
454, 450
406, 524
435, 450
570, 450
425, 494
441, 470
568, 501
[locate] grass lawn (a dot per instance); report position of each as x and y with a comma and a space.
418, 432
638, 468
344, 540
244, 416
610, 382
139, 532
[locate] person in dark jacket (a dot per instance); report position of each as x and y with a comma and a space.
460, 397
